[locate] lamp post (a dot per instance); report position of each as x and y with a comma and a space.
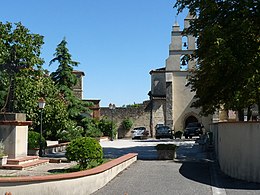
41, 104
112, 107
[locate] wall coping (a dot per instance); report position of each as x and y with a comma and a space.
16, 123
238, 122
45, 178
57, 145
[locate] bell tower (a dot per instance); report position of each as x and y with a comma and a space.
178, 96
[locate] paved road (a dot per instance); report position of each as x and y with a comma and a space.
144, 148
193, 174
160, 177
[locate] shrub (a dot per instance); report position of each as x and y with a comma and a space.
178, 134
34, 140
86, 151
2, 149
70, 134
91, 127
94, 132
165, 147
127, 123
106, 125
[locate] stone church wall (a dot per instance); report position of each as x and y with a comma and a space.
158, 114
140, 116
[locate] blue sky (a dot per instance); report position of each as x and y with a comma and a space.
117, 42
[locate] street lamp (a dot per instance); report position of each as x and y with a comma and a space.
41, 104
112, 107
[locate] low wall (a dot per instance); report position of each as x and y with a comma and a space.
82, 182
56, 148
237, 147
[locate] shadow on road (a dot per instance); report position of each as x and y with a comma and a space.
163, 140
144, 152
195, 164
196, 171
200, 172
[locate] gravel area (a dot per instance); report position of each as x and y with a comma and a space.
40, 170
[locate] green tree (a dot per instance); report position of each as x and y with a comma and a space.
91, 127
107, 127
65, 80
3, 88
228, 53
19, 51
28, 91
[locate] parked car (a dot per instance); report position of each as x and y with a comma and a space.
139, 133
164, 132
159, 125
193, 129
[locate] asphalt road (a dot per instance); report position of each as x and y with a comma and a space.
160, 177
194, 173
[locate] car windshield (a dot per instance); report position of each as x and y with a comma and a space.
139, 128
193, 125
163, 128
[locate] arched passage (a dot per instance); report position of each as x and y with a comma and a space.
190, 119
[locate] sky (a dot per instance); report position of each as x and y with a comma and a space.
117, 42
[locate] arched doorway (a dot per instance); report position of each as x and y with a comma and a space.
190, 119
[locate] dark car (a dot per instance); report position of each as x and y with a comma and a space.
193, 129
163, 132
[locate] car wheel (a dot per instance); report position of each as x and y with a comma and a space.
186, 137
190, 137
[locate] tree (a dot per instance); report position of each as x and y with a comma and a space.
63, 76
19, 50
65, 80
28, 91
228, 53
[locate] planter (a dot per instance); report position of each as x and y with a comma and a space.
165, 154
33, 152
3, 160
178, 134
166, 151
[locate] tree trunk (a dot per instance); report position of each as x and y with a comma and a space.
9, 104
249, 113
241, 115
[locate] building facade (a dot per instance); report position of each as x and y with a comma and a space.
170, 96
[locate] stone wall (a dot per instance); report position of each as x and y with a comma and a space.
140, 116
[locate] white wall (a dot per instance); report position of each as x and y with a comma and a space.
57, 184
237, 147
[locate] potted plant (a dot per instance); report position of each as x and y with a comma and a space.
3, 156
166, 151
34, 143
178, 134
